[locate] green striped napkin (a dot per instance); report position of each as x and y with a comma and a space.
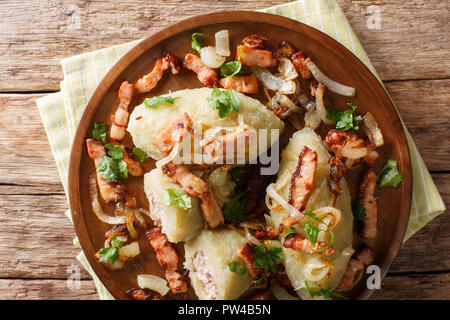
61, 111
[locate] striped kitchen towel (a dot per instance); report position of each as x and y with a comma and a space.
61, 111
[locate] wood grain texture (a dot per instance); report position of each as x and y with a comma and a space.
411, 44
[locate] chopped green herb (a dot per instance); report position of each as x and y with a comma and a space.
232, 68
237, 267
326, 293
259, 281
114, 152
177, 198
237, 172
359, 212
390, 175
225, 101
110, 253
159, 100
99, 131
290, 232
267, 257
112, 169
313, 232
140, 154
234, 209
345, 120
194, 42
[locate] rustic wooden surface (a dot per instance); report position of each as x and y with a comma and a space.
410, 52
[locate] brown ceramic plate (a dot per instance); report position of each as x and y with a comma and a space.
331, 57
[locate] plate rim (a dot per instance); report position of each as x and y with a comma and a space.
225, 16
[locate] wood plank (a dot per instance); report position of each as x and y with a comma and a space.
411, 44
404, 287
415, 287
20, 289
36, 237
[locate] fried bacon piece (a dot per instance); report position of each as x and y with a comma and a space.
119, 231
144, 294
196, 187
368, 201
168, 259
255, 56
244, 84
337, 170
150, 80
174, 63
254, 41
247, 255
285, 50
270, 232
364, 258
303, 178
206, 75
120, 119
134, 168
298, 59
297, 242
348, 279
110, 191
175, 131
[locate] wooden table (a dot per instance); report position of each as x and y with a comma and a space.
410, 52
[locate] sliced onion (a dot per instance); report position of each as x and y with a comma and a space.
286, 206
210, 57
320, 106
279, 292
287, 69
372, 130
96, 207
129, 251
330, 84
332, 212
222, 43
272, 82
312, 120
285, 101
250, 237
170, 157
148, 281
130, 224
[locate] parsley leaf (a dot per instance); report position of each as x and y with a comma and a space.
232, 68
225, 101
140, 154
237, 172
110, 253
114, 152
326, 293
159, 100
177, 198
112, 169
99, 131
313, 231
345, 120
259, 281
237, 267
234, 209
390, 175
194, 42
359, 212
267, 257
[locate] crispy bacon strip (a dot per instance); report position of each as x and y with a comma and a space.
134, 168
174, 63
298, 59
206, 75
254, 41
110, 191
143, 294
196, 187
150, 80
247, 255
303, 178
251, 56
120, 119
168, 259
270, 232
285, 50
337, 170
348, 279
364, 258
175, 131
244, 84
297, 242
368, 201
